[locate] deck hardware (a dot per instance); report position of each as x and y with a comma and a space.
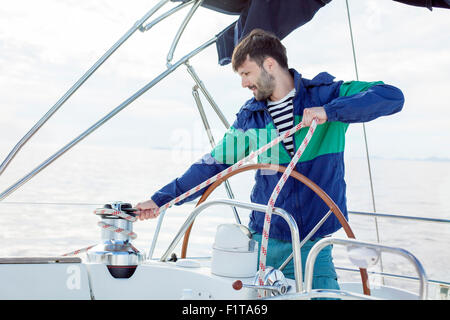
116, 249
274, 281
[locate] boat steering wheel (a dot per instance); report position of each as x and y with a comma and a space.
314, 187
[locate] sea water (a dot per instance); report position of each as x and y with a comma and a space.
53, 213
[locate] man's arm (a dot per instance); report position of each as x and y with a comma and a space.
227, 152
364, 101
198, 172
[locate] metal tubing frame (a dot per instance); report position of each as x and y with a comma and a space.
77, 85
311, 259
310, 234
180, 32
295, 235
207, 94
203, 116
393, 216
395, 276
151, 24
103, 120
155, 235
213, 143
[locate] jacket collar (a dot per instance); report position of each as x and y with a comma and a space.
254, 105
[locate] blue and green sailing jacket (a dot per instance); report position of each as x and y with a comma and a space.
322, 161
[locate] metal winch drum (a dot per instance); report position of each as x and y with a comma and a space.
116, 249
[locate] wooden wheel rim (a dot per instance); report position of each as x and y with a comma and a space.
310, 184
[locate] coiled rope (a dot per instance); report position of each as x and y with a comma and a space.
113, 212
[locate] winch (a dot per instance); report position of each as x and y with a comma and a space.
116, 249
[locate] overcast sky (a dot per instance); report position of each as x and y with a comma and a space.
47, 45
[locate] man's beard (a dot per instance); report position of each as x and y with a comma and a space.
264, 85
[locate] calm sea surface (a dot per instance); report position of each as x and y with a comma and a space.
53, 213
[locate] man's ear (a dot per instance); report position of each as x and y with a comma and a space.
269, 63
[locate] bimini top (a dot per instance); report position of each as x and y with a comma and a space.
237, 6
278, 17
224, 6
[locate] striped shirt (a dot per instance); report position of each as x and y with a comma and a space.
282, 112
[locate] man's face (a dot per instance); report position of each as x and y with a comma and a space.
257, 79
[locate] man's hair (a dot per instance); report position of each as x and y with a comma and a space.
259, 45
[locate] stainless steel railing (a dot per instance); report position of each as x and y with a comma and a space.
295, 235
396, 216
309, 267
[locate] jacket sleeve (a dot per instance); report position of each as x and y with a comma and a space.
198, 172
364, 101
227, 152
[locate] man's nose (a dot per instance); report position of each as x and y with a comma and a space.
244, 82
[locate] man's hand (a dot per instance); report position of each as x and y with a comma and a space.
315, 112
147, 210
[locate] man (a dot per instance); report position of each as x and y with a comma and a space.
282, 98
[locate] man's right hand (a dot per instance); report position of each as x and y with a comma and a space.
147, 210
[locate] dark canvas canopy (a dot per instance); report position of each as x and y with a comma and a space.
278, 16
237, 6
225, 6
427, 3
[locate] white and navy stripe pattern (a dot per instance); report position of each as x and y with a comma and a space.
282, 112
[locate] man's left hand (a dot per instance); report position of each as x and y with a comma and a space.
315, 112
